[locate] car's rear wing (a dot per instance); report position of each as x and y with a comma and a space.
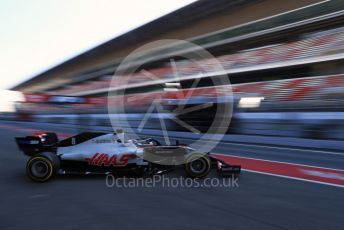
30, 145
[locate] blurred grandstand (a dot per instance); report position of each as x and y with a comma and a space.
284, 59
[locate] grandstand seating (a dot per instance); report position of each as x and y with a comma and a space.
318, 88
313, 45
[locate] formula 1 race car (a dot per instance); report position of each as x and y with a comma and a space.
101, 153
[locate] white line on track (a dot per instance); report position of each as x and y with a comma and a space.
259, 159
294, 178
285, 148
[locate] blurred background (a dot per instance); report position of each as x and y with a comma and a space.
284, 60
282, 73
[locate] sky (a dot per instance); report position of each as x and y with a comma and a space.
36, 35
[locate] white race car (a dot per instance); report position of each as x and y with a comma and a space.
94, 152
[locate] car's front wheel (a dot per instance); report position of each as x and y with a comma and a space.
197, 166
42, 167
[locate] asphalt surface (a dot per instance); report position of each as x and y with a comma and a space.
85, 202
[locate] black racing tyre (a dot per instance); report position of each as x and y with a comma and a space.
197, 165
42, 167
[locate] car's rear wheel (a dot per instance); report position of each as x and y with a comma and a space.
42, 167
197, 165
